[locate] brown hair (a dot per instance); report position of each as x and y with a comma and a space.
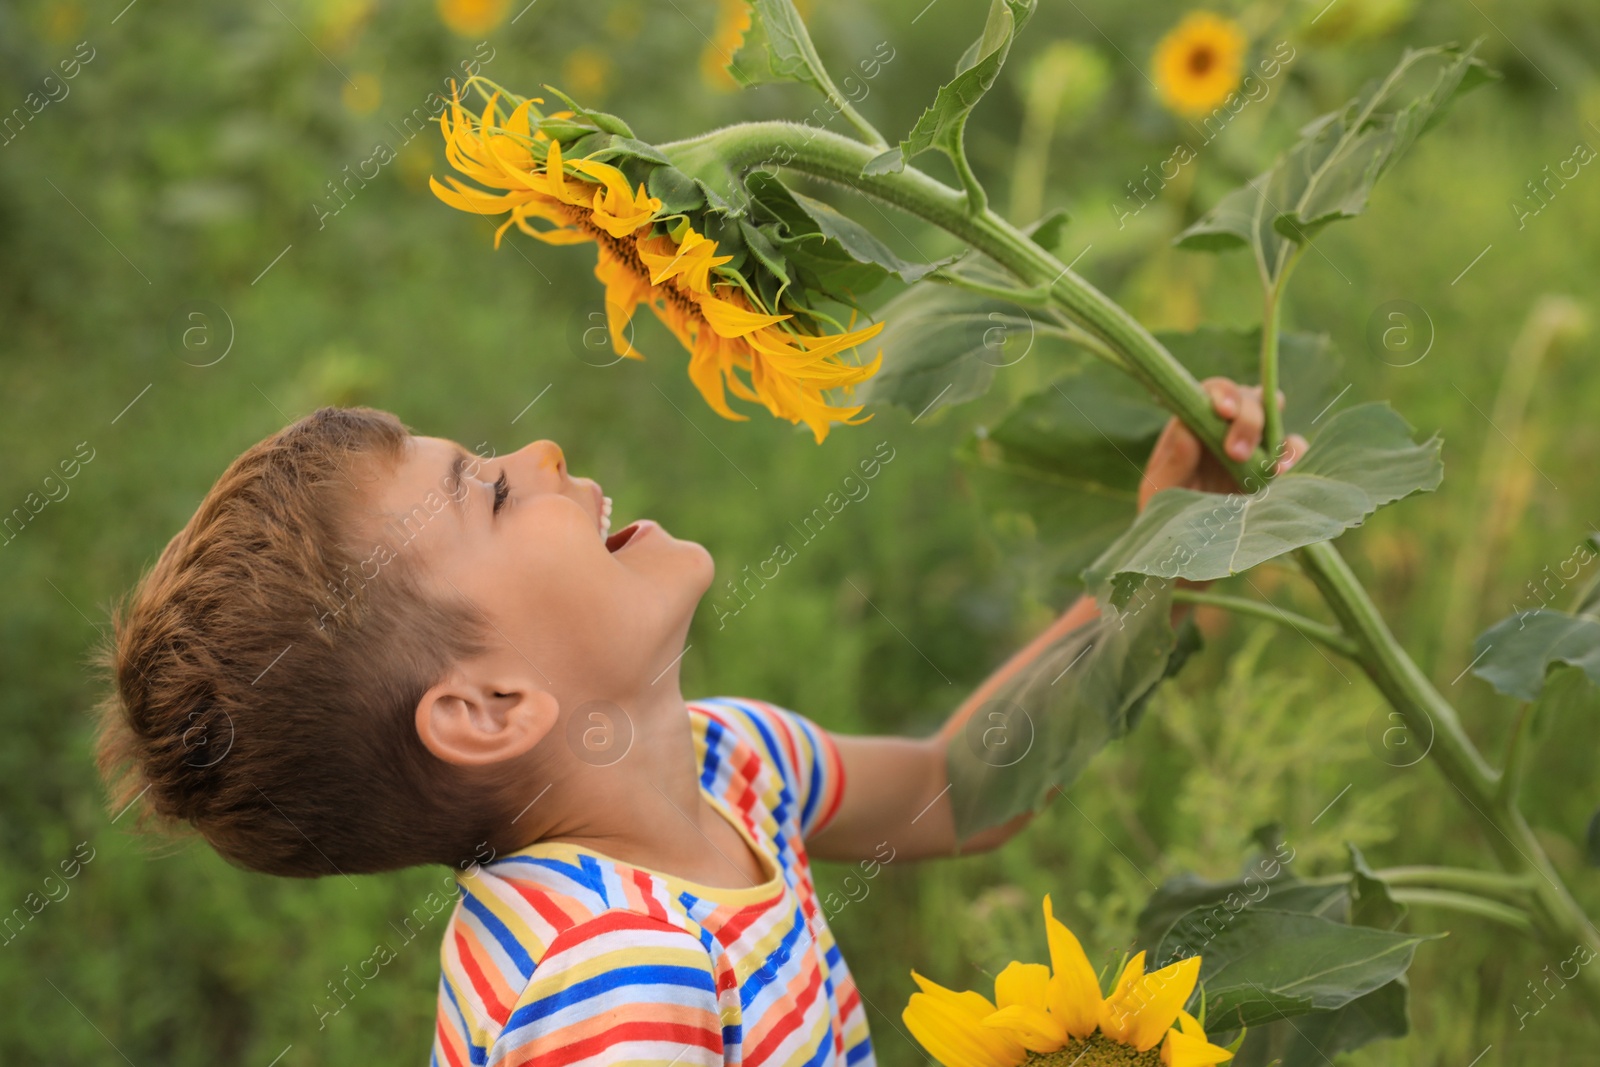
261, 699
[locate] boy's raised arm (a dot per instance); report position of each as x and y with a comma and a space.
896, 789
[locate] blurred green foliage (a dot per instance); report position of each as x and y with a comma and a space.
189, 159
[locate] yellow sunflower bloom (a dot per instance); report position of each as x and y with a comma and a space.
1055, 1016
1199, 63
472, 18
733, 22
735, 346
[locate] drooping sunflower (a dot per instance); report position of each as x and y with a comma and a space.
737, 343
1198, 63
1055, 1016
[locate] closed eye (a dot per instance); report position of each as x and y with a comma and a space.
502, 490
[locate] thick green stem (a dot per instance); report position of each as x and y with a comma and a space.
1516, 758
1426, 713
1316, 631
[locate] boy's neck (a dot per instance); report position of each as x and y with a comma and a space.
644, 807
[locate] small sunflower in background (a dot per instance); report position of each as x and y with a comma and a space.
472, 18
733, 21
586, 72
1199, 63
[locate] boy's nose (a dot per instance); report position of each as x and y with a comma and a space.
547, 456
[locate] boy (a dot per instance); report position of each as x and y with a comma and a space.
368, 650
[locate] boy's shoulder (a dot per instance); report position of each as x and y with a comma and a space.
561, 910
789, 761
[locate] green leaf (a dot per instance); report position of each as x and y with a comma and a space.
1214, 904
1363, 459
777, 48
1591, 841
1047, 231
1268, 964
1515, 653
942, 125
1370, 902
1313, 1040
1042, 726
1330, 172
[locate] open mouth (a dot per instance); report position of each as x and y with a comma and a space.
621, 537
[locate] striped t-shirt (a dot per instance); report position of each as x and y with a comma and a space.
558, 955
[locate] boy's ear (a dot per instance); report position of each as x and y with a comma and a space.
470, 723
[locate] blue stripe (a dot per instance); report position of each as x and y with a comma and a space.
586, 875
785, 772
824, 1049
475, 1052
498, 931
764, 975
815, 791
639, 975
708, 773
861, 1051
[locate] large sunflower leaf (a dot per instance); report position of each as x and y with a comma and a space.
1268, 963
1363, 459
1206, 909
1516, 653
1059, 474
941, 125
1041, 726
1312, 1040
1330, 172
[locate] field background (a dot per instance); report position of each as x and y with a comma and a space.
189, 152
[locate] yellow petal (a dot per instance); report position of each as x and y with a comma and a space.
1074, 994
950, 1026
955, 1040
1187, 1050
1141, 1011
1022, 983
730, 320
1034, 1028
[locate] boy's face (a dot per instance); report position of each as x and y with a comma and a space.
593, 616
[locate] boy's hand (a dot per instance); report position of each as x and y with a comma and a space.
1179, 460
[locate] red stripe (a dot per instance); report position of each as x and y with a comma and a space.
787, 730
445, 1043
540, 899
744, 918
791, 1020
498, 1011
646, 886
831, 752
850, 1003
629, 1031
